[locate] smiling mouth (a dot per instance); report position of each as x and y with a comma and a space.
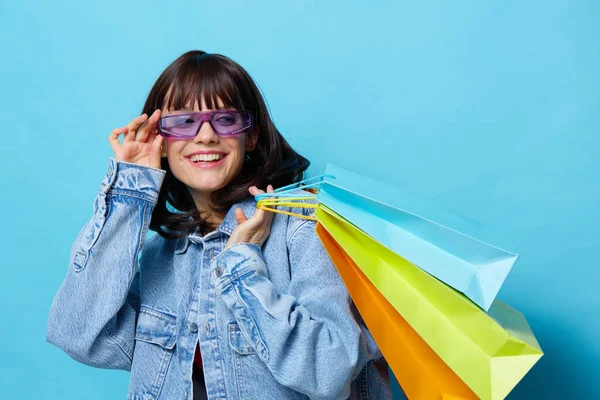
206, 158
207, 162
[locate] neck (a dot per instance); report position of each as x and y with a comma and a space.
206, 208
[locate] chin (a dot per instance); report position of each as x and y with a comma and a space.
206, 189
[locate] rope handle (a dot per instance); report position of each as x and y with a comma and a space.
284, 191
283, 197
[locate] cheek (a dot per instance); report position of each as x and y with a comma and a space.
170, 142
173, 146
236, 143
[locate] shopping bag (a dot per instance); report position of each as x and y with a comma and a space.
435, 241
419, 370
490, 352
393, 218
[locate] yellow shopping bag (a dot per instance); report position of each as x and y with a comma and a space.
490, 352
420, 372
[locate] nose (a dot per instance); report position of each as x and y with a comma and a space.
206, 134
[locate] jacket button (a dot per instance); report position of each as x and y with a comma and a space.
193, 327
219, 272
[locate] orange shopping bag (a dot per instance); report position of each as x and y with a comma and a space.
418, 369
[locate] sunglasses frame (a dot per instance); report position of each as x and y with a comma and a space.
206, 116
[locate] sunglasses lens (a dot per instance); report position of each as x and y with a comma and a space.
180, 125
231, 122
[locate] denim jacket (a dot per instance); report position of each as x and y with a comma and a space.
272, 322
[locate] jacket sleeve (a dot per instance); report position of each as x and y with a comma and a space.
94, 313
309, 337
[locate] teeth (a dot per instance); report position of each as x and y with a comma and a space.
206, 157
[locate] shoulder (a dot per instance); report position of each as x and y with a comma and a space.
296, 221
153, 243
301, 235
156, 246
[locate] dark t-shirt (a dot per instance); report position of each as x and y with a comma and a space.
198, 382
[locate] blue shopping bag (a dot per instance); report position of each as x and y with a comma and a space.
396, 220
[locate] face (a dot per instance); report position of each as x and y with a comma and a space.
201, 178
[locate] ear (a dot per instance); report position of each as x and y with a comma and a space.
251, 140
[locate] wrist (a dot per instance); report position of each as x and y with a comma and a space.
241, 242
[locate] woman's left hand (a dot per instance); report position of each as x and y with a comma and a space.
257, 228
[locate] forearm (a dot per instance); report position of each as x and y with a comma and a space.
313, 346
83, 318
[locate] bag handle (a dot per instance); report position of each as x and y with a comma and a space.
283, 197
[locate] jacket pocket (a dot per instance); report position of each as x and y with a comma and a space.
155, 340
237, 341
156, 327
245, 360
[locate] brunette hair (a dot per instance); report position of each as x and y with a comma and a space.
197, 74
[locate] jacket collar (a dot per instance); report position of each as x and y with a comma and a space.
226, 227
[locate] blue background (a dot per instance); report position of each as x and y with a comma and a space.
489, 109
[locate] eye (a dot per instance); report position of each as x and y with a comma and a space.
182, 122
225, 119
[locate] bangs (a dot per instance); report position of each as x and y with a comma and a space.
197, 77
205, 77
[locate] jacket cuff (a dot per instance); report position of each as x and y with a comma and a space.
237, 261
133, 179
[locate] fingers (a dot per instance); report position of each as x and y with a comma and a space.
155, 152
239, 216
147, 128
133, 125
146, 134
258, 216
261, 215
257, 228
256, 191
113, 138
271, 214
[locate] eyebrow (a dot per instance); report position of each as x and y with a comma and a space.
186, 110
191, 110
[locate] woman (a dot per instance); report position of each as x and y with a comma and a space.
227, 301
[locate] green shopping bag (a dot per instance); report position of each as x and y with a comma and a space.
490, 352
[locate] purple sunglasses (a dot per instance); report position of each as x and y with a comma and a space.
223, 122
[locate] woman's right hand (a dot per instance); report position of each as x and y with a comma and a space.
142, 147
